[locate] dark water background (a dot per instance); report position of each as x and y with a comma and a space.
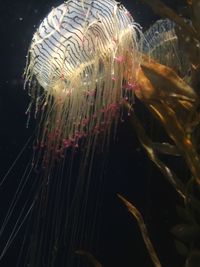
129, 171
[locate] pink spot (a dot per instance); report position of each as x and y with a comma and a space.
42, 145
119, 59
58, 151
90, 93
130, 86
85, 122
59, 101
112, 107
97, 129
68, 93
67, 143
128, 14
79, 135
115, 40
94, 116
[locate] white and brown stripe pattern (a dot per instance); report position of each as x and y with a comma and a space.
71, 34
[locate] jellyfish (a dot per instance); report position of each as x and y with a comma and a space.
81, 67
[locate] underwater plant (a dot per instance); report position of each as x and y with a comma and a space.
173, 98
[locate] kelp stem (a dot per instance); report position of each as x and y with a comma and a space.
133, 210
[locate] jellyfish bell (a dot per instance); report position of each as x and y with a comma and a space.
81, 64
162, 44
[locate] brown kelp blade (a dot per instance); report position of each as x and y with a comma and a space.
174, 103
143, 229
90, 257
